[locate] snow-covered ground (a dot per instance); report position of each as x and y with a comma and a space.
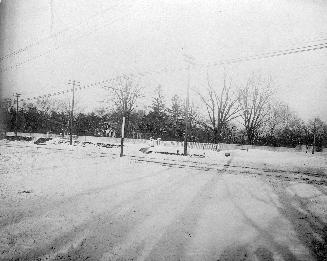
84, 202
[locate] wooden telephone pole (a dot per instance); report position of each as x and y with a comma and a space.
190, 61
122, 138
71, 127
187, 111
17, 107
314, 136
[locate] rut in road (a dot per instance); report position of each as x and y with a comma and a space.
135, 227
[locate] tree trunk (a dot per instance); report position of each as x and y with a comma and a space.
251, 136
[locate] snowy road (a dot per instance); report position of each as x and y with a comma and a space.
75, 205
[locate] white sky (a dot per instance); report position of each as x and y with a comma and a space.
108, 38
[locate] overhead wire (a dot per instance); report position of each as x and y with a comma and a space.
264, 55
56, 34
272, 54
107, 83
275, 53
103, 83
322, 37
61, 45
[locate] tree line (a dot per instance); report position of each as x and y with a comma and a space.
247, 115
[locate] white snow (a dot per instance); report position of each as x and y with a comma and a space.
56, 199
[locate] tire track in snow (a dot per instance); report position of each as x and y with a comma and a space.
111, 228
56, 220
181, 232
140, 241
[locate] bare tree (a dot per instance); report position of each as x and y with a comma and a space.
278, 117
57, 105
254, 100
316, 128
47, 105
125, 93
5, 105
158, 102
222, 106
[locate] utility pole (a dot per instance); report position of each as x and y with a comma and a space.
189, 60
314, 136
74, 83
122, 138
16, 129
187, 111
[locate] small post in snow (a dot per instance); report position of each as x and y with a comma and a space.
122, 138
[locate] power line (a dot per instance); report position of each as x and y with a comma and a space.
77, 88
43, 54
57, 34
273, 54
58, 93
321, 37
104, 83
92, 17
222, 62
61, 45
270, 54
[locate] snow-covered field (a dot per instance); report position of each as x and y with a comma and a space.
84, 202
